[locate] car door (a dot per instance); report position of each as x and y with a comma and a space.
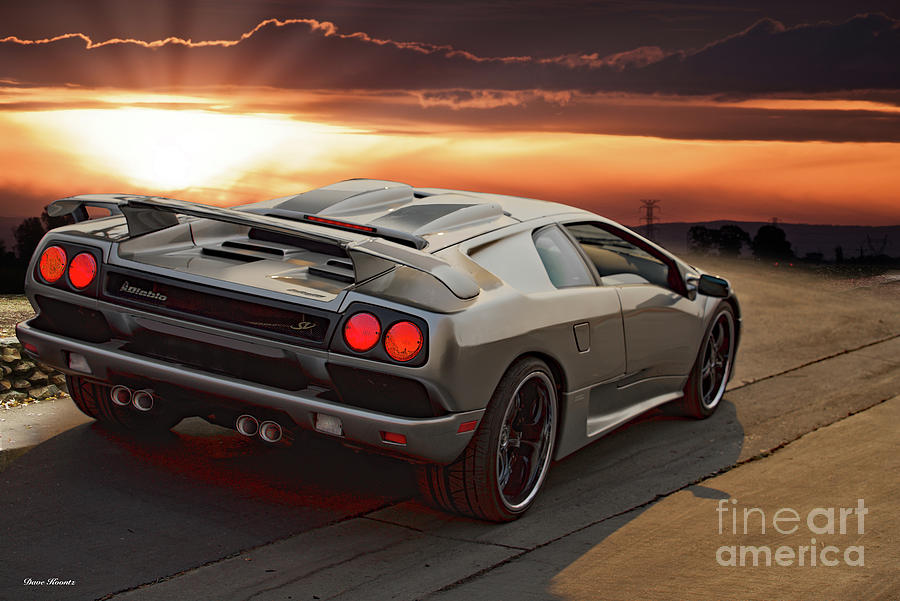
595, 347
660, 321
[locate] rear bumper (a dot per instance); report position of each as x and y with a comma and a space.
433, 439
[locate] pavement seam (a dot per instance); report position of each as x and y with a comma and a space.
813, 362
658, 497
309, 573
444, 537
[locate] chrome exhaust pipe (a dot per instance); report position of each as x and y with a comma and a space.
120, 395
247, 425
270, 431
142, 400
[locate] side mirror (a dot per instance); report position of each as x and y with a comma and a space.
710, 285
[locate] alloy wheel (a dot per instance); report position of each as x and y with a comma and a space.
526, 440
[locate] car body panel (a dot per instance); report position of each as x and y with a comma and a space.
660, 330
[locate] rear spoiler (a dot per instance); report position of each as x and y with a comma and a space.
370, 257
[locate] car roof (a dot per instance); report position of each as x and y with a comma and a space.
441, 217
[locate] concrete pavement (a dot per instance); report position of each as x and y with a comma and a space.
24, 427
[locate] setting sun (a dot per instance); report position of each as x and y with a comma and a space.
171, 150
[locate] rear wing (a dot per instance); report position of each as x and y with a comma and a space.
370, 256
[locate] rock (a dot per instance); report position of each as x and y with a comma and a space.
10, 353
23, 367
38, 377
6, 369
21, 384
5, 385
12, 395
58, 379
43, 392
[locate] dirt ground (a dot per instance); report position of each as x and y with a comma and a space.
800, 314
13, 309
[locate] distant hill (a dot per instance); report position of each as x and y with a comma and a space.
804, 238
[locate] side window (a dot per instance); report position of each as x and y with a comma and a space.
619, 261
561, 260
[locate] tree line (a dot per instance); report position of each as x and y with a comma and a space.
27, 236
770, 242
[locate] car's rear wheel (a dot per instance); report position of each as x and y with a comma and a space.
502, 469
709, 377
93, 399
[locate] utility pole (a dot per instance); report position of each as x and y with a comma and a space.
649, 206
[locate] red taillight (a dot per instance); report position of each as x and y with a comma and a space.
82, 270
53, 264
403, 341
362, 331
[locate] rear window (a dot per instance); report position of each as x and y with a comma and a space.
560, 258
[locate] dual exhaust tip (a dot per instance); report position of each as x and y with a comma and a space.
268, 430
142, 400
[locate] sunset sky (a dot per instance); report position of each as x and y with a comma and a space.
723, 110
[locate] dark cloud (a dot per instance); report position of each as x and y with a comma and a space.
486, 27
767, 57
685, 121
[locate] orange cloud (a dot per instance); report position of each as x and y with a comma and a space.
489, 99
638, 57
327, 28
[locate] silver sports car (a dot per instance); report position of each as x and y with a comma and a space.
477, 335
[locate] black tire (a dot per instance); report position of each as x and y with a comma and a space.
712, 369
92, 398
496, 477
83, 399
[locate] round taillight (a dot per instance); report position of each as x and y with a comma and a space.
362, 332
53, 264
82, 270
403, 341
